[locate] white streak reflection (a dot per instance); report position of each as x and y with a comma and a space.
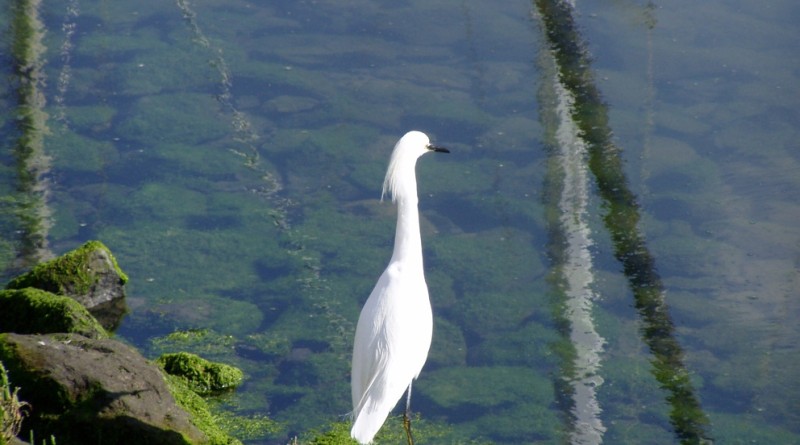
578, 275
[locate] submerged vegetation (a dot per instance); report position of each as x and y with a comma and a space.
236, 171
202, 376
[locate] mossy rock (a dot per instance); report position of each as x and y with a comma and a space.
34, 311
198, 408
89, 274
202, 376
95, 391
73, 274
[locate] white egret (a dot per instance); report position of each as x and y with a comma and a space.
396, 324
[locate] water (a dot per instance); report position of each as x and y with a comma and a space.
611, 248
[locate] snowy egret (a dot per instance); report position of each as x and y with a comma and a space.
396, 324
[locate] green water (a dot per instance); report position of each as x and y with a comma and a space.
231, 155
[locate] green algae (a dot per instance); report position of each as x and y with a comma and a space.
91, 118
198, 408
279, 58
245, 427
234, 317
480, 311
202, 376
448, 347
82, 154
34, 311
154, 120
531, 344
337, 434
232, 254
67, 274
491, 387
392, 432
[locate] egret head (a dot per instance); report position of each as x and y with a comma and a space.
400, 178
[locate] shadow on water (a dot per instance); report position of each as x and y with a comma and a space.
590, 116
24, 210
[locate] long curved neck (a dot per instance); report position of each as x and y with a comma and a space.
407, 240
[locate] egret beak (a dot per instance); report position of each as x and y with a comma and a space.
437, 149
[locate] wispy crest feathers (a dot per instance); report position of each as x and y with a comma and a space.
400, 180
390, 182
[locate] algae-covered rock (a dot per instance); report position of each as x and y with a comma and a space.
94, 391
88, 274
201, 414
34, 311
201, 375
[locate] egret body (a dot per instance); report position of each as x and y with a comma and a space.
396, 324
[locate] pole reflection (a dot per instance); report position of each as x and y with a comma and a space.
590, 115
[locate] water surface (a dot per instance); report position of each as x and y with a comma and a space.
611, 247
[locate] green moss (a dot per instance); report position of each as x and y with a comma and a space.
490, 386
34, 311
173, 118
449, 347
392, 432
69, 271
81, 154
199, 410
205, 342
338, 434
215, 313
246, 427
199, 374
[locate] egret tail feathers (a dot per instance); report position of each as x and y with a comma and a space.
368, 421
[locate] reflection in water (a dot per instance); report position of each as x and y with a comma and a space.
68, 27
621, 219
573, 274
650, 23
29, 205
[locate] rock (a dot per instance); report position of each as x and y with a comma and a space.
34, 311
88, 274
202, 376
93, 391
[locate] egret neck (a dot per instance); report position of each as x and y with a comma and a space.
407, 240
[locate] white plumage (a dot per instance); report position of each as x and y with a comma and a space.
395, 327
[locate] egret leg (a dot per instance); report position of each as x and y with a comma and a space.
407, 417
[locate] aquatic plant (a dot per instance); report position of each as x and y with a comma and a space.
202, 376
12, 410
201, 414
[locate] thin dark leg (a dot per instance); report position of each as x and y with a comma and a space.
407, 417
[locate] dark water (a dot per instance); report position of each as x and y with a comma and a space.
612, 246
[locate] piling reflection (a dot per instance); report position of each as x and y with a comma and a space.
25, 210
589, 114
572, 270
